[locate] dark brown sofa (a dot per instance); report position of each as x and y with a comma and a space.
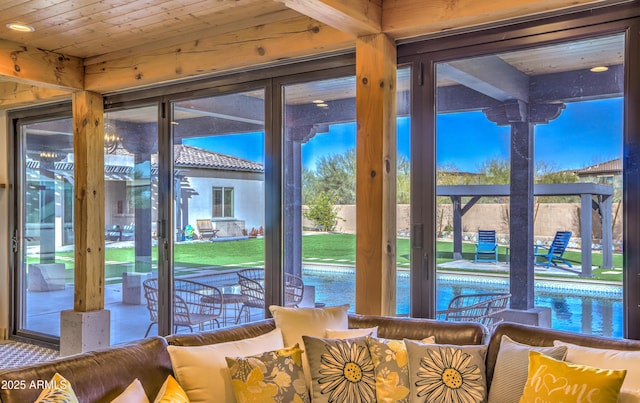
101, 376
538, 336
95, 376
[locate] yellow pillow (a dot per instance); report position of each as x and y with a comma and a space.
551, 380
58, 390
171, 392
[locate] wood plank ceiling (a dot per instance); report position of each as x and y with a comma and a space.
113, 45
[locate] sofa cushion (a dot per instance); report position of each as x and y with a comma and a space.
271, 376
296, 322
512, 366
609, 359
134, 393
391, 368
171, 392
442, 373
551, 380
202, 370
58, 391
351, 333
341, 370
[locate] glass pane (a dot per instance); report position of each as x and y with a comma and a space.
319, 176
551, 117
46, 201
219, 210
403, 190
130, 182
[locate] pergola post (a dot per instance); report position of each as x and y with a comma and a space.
521, 216
606, 213
586, 227
456, 201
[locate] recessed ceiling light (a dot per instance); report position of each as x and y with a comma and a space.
318, 101
20, 27
599, 69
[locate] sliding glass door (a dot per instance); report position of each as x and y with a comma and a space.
527, 176
43, 238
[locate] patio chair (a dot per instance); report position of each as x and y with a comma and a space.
483, 308
205, 229
252, 287
194, 304
554, 252
487, 247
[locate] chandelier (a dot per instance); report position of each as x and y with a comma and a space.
49, 156
111, 138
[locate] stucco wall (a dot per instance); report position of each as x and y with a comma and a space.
549, 218
248, 200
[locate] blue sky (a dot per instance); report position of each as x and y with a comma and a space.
585, 133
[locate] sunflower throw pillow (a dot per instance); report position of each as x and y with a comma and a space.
443, 373
274, 376
341, 370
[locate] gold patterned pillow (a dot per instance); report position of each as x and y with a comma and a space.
551, 380
391, 368
274, 376
59, 390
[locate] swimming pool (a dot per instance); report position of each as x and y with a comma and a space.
590, 309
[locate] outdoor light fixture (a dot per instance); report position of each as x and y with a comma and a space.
20, 27
49, 156
318, 101
111, 138
599, 69
322, 105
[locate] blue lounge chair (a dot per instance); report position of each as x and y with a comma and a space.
487, 247
553, 253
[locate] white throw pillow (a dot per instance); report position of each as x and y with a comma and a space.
609, 359
298, 322
512, 368
202, 370
351, 333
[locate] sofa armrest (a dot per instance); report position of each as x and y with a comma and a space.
539, 336
96, 376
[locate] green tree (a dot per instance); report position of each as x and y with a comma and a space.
336, 174
403, 180
323, 212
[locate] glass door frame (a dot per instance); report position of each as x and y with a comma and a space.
17, 306
424, 56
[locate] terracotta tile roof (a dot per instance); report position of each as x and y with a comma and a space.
613, 166
185, 157
192, 157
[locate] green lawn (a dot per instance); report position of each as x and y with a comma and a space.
318, 247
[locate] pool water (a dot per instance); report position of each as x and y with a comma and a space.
585, 310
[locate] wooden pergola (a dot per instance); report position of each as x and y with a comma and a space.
592, 196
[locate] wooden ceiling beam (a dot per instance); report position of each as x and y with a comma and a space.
253, 46
411, 18
30, 65
356, 17
15, 95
